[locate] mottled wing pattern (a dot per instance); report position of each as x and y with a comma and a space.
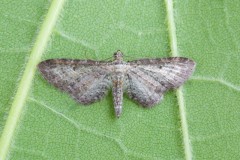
85, 80
137, 90
148, 79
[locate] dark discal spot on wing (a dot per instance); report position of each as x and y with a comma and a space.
152, 77
85, 80
176, 67
161, 60
144, 80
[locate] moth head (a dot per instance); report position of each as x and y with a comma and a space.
118, 55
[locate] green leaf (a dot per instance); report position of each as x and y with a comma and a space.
200, 120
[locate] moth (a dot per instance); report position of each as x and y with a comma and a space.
144, 80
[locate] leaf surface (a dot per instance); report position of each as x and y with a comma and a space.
53, 126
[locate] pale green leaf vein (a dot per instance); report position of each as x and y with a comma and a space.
75, 40
218, 80
27, 77
180, 97
81, 127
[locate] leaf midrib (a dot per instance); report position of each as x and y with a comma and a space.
28, 75
179, 92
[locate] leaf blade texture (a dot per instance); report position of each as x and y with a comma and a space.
206, 31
